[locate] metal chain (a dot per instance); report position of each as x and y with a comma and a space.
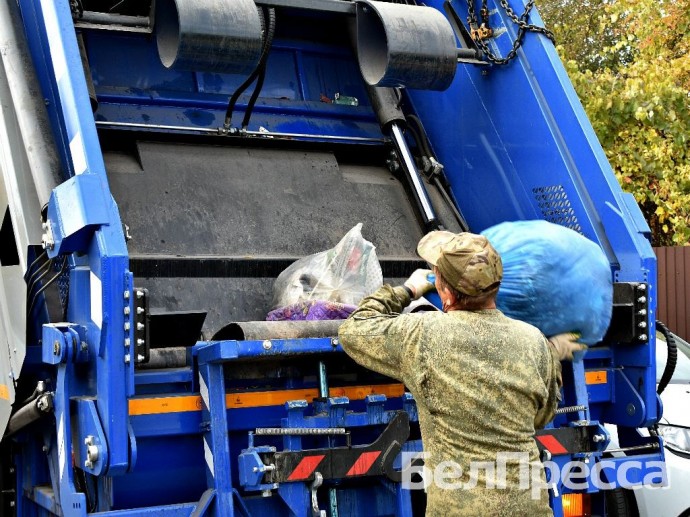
521, 22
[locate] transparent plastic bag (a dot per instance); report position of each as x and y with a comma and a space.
344, 274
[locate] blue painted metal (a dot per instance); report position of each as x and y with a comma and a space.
220, 351
54, 49
74, 222
66, 496
216, 446
53, 44
89, 426
517, 132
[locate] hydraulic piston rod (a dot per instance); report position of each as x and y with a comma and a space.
385, 102
410, 168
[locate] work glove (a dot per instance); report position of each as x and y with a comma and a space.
419, 283
566, 344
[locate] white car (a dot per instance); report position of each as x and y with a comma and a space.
674, 499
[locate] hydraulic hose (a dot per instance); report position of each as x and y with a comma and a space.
253, 98
262, 69
671, 359
269, 27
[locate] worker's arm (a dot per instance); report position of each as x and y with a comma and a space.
561, 348
553, 381
379, 338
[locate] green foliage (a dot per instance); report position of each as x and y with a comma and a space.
629, 61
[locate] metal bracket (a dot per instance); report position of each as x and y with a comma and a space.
61, 343
142, 347
375, 459
581, 439
630, 318
71, 222
318, 481
91, 450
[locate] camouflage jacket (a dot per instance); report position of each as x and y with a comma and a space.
482, 382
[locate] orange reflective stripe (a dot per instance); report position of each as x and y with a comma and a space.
157, 405
4, 392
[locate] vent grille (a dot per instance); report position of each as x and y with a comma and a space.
555, 206
63, 288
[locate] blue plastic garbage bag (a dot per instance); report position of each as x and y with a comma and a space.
554, 278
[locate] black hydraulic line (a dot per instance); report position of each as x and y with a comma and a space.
262, 71
269, 28
671, 359
253, 98
46, 285
446, 197
35, 261
419, 128
33, 282
31, 278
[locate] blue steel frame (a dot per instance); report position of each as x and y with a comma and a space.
85, 219
477, 133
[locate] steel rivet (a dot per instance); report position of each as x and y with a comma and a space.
267, 345
642, 299
642, 287
127, 326
127, 358
127, 342
140, 326
642, 337
127, 295
127, 311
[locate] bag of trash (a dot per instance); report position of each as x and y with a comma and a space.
344, 274
312, 310
554, 278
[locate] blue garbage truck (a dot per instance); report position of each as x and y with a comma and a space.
162, 163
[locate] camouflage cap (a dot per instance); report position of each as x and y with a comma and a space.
467, 261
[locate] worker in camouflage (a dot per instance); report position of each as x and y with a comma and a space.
482, 382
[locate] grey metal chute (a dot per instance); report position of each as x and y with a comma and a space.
405, 45
209, 35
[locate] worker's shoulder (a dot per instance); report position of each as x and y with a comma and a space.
521, 326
